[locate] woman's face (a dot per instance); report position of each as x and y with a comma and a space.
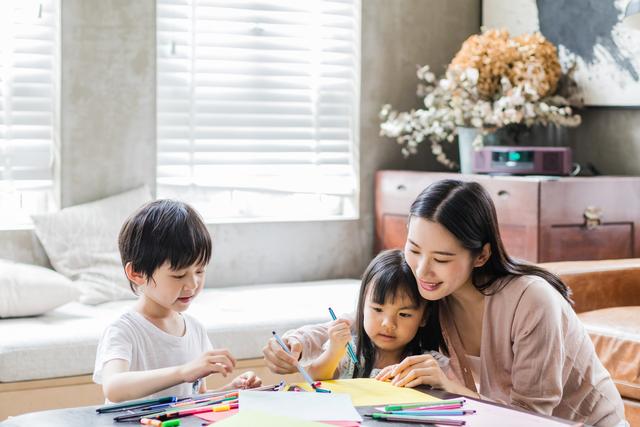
439, 262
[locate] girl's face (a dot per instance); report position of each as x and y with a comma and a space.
440, 264
175, 289
393, 324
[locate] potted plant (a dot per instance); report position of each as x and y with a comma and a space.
495, 81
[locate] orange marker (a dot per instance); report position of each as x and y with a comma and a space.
203, 409
223, 408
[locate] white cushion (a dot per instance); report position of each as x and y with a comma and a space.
29, 290
82, 243
63, 342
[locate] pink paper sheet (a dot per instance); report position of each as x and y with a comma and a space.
488, 415
216, 416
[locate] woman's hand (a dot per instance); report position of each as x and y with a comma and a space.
339, 335
209, 362
248, 379
385, 373
278, 360
417, 370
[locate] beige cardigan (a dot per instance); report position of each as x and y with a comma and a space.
534, 354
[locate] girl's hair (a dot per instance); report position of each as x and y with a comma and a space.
160, 231
389, 276
466, 210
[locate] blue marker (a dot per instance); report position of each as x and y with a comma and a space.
304, 373
350, 350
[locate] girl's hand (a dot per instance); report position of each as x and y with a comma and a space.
416, 370
339, 335
212, 361
247, 380
279, 361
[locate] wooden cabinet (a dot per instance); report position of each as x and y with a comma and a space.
541, 219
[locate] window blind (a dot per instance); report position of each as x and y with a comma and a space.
258, 106
28, 52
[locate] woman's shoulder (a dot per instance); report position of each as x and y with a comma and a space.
512, 285
528, 292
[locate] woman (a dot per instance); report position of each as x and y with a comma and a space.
508, 327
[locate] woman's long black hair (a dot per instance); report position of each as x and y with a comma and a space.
387, 275
466, 210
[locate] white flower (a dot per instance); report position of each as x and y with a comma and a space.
472, 75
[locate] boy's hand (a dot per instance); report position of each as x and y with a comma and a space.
339, 334
247, 380
212, 361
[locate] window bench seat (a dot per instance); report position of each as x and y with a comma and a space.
46, 361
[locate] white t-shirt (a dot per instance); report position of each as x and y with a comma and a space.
138, 341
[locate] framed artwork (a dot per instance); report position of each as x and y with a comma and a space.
589, 32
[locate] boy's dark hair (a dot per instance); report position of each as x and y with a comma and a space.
389, 274
161, 231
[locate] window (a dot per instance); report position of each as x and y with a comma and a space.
258, 107
29, 52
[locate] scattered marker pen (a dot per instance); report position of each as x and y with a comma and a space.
350, 350
158, 423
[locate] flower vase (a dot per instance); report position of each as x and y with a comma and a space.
466, 138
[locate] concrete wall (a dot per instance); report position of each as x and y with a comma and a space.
108, 128
108, 96
609, 138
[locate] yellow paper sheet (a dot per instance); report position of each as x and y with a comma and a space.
257, 418
369, 392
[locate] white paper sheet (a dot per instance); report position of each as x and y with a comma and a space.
302, 405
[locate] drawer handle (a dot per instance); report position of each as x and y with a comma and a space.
401, 187
503, 194
592, 217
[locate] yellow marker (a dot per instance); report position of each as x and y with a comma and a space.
223, 408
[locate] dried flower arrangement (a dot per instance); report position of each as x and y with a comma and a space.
493, 81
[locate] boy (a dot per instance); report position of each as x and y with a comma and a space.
156, 349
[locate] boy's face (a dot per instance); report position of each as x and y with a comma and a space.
175, 289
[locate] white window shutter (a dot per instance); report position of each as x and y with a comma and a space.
28, 55
258, 106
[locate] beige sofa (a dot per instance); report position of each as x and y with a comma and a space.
46, 361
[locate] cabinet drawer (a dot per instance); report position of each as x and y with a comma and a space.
520, 241
564, 202
394, 231
396, 190
575, 243
516, 202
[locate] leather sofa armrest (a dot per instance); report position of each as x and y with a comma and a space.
600, 284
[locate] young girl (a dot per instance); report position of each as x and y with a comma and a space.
508, 326
389, 319
156, 349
